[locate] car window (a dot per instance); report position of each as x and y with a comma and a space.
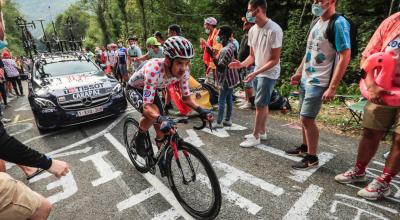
69, 67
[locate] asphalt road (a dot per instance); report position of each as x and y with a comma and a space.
257, 183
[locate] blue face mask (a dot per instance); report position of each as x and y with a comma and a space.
317, 10
250, 17
219, 40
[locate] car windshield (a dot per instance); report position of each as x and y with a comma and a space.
69, 68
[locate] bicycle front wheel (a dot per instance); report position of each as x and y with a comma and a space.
194, 182
131, 127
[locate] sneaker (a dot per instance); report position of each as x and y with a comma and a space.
227, 123
250, 142
375, 190
246, 105
306, 163
263, 137
217, 125
5, 120
351, 176
300, 151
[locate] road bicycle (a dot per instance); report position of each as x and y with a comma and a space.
191, 176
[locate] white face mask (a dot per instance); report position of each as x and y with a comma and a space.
208, 31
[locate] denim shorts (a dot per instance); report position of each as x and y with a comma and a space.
310, 100
263, 87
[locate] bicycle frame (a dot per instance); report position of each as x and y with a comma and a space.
173, 140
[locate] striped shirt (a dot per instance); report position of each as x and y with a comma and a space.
225, 74
10, 68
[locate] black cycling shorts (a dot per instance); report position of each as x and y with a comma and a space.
135, 97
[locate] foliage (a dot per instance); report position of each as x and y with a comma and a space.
106, 21
10, 13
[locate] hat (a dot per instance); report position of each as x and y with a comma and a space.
245, 21
152, 41
6, 54
210, 20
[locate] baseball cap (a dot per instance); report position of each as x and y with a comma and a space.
152, 41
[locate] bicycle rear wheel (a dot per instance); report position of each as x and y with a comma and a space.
194, 182
131, 127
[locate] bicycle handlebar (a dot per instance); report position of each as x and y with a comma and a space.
185, 120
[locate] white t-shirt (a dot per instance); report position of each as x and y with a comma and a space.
321, 54
263, 40
394, 46
111, 58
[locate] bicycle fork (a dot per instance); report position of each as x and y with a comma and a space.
176, 156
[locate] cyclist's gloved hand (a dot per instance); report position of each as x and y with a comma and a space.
165, 123
205, 114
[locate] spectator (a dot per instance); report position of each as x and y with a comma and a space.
174, 30
3, 93
12, 73
210, 25
89, 54
154, 50
319, 75
244, 51
111, 58
265, 52
226, 78
13, 192
133, 52
122, 60
159, 37
3, 84
236, 43
378, 119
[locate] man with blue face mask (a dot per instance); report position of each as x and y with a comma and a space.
154, 50
319, 75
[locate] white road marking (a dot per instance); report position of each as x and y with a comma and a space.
303, 205
359, 211
24, 107
103, 168
156, 183
136, 199
69, 153
67, 183
302, 175
170, 214
298, 175
222, 132
15, 119
367, 202
233, 175
90, 138
193, 138
26, 127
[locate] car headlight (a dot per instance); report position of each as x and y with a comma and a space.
44, 103
117, 88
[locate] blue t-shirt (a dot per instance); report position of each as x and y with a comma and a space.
122, 55
320, 53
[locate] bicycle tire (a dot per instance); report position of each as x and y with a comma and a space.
214, 209
143, 168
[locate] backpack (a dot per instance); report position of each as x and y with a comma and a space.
330, 32
278, 102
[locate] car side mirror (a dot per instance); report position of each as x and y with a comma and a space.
103, 67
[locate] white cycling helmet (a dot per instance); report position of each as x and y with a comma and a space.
178, 47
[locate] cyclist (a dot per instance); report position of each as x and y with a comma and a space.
159, 73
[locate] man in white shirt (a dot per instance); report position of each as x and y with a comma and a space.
265, 41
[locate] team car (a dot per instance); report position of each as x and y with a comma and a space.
69, 89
